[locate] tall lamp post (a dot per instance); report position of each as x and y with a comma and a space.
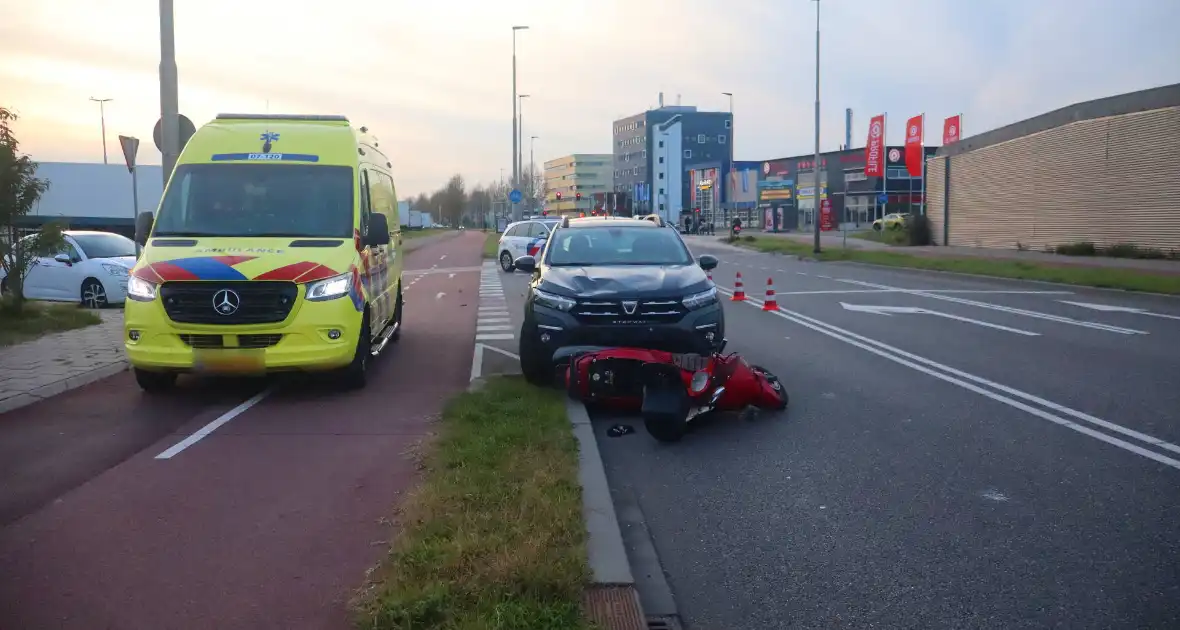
532, 169
169, 100
102, 116
520, 137
516, 214
732, 155
815, 169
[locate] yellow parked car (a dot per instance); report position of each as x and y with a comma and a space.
892, 221
275, 248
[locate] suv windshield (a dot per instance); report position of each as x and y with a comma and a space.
296, 200
617, 246
104, 245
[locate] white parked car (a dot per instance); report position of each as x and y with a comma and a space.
524, 238
91, 268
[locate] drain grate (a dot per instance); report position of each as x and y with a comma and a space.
663, 623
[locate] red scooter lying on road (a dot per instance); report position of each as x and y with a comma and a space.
669, 390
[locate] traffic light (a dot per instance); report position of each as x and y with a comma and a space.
577, 196
544, 213
559, 196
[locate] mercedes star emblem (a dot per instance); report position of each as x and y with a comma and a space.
226, 302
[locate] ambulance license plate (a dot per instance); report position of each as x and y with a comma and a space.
230, 361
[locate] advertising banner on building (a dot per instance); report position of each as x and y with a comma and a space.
875, 147
743, 187
825, 216
952, 128
913, 145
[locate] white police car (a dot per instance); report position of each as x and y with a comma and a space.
524, 238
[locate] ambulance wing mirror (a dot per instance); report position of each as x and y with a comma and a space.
143, 227
378, 230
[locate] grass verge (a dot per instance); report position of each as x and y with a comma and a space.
494, 536
1107, 277
39, 319
888, 237
490, 243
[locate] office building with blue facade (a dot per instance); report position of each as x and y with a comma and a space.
653, 151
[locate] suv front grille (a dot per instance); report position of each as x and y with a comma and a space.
258, 302
613, 312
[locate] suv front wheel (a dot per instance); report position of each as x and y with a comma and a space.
536, 362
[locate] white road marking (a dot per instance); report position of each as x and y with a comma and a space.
1107, 308
439, 296
960, 378
492, 320
913, 310
1006, 309
443, 257
477, 358
436, 269
493, 328
495, 337
450, 275
204, 431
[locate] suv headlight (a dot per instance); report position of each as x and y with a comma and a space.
140, 290
698, 300
329, 288
114, 270
553, 301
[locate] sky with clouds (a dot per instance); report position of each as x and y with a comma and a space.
433, 79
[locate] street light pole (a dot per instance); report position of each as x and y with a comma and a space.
516, 214
732, 166
520, 137
169, 101
532, 169
815, 167
103, 119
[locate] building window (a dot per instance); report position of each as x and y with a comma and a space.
661, 160
661, 191
688, 154
661, 207
661, 144
700, 138
645, 154
721, 139
661, 175
728, 123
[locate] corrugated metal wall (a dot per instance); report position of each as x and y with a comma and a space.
1105, 180
935, 194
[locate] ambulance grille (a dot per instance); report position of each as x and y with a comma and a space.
258, 302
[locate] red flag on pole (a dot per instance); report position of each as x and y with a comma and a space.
951, 128
875, 147
913, 145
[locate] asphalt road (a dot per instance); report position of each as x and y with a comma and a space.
976, 454
114, 514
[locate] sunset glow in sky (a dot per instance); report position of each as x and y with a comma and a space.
433, 79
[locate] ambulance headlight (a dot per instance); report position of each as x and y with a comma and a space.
329, 288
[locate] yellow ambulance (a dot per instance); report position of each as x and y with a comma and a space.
275, 248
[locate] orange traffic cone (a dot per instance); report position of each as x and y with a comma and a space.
739, 291
771, 303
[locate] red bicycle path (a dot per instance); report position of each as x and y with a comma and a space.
270, 521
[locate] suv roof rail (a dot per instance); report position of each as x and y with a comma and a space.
316, 117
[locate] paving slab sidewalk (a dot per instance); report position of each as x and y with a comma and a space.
835, 239
58, 362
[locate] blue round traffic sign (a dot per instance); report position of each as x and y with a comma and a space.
883, 198
515, 196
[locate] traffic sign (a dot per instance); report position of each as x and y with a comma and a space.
187, 129
130, 148
883, 198
515, 196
